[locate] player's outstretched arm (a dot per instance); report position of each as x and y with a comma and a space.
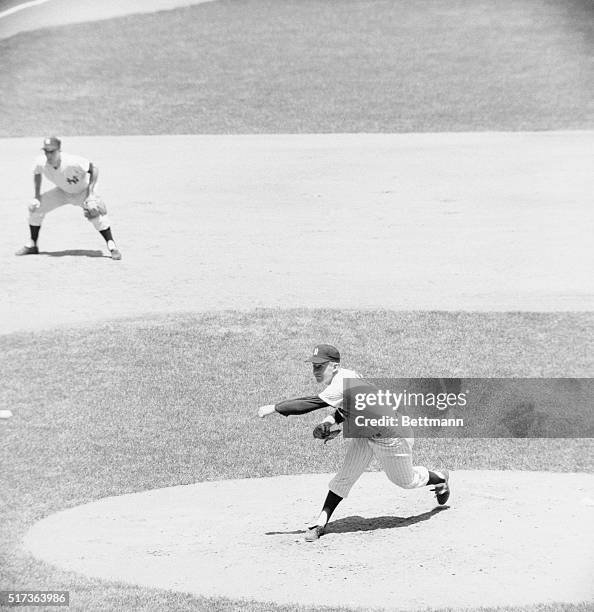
293, 407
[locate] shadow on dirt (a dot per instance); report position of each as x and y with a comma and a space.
352, 524
74, 253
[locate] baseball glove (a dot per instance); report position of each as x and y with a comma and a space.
94, 207
324, 432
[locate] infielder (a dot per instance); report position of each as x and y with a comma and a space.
75, 179
393, 454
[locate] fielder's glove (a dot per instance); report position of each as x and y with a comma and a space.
94, 207
33, 205
324, 432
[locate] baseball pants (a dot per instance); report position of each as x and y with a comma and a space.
393, 454
56, 197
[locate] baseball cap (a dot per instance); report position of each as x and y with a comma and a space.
323, 353
51, 142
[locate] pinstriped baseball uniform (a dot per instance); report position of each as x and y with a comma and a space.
393, 454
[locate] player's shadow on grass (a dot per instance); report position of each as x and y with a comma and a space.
74, 253
352, 524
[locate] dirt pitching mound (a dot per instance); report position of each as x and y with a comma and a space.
508, 538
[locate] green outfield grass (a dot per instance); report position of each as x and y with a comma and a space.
141, 404
261, 66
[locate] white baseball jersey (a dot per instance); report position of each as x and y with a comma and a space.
393, 454
72, 176
334, 392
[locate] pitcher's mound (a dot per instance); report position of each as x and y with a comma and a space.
507, 538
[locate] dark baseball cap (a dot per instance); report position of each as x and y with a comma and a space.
323, 353
51, 143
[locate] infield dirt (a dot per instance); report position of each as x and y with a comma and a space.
224, 225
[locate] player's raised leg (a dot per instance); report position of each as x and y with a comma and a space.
395, 457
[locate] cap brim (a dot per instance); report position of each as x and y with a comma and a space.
317, 360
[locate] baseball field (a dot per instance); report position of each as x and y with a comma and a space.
408, 181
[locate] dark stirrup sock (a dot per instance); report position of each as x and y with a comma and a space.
332, 500
34, 232
106, 233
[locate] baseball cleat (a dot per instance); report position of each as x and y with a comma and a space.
442, 490
314, 533
26, 250
115, 254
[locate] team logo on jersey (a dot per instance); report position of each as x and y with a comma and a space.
72, 180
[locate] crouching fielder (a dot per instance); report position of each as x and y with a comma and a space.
393, 454
74, 178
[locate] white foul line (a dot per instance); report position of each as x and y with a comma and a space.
20, 7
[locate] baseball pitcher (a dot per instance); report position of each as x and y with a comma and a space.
393, 453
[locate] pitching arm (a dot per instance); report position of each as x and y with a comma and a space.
296, 406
